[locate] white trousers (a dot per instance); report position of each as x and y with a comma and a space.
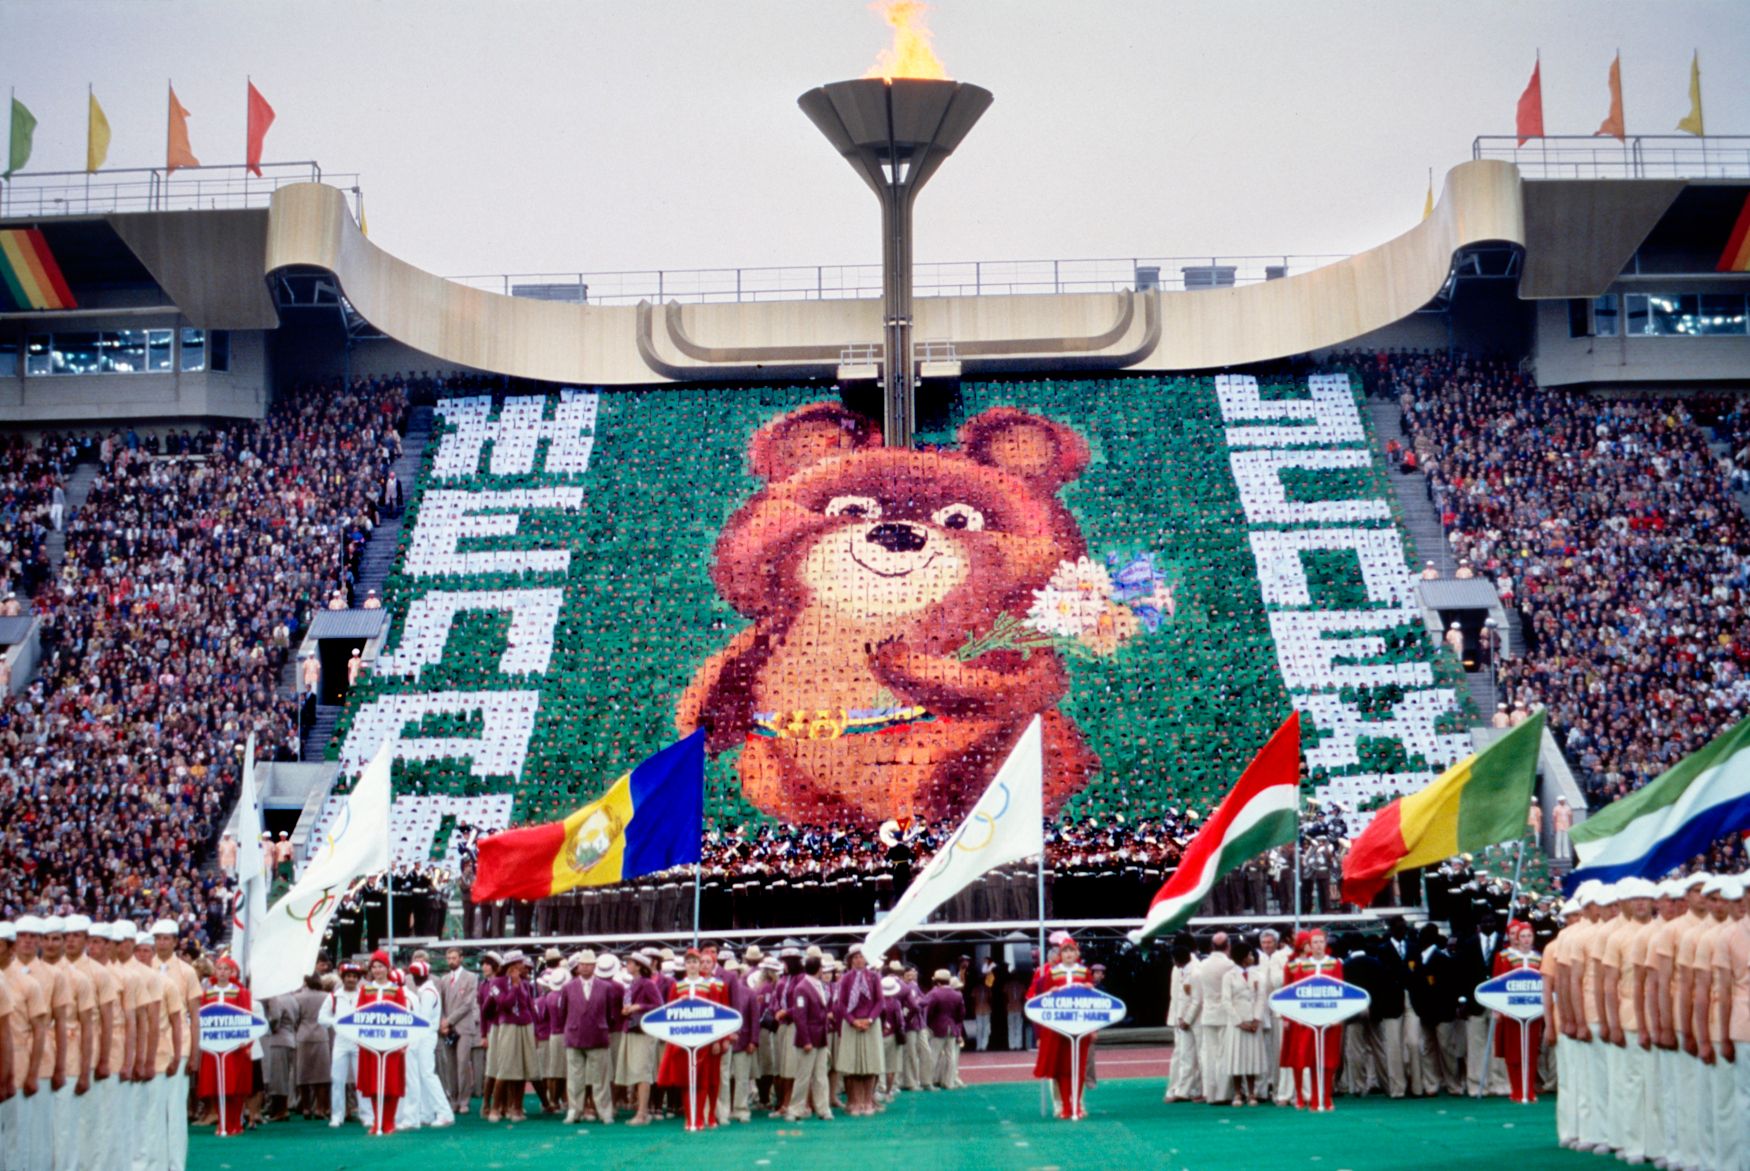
176, 1120
1729, 1130
1677, 1090
735, 1084
1657, 1065
1594, 1093
426, 1103
152, 1147
343, 1067
945, 1062
1186, 1081
1212, 1060
9, 1133
1568, 1096
1740, 1104
63, 1127
1628, 1095
100, 1110
1708, 1152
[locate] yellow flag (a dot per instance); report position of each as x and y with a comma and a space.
1428, 200
96, 135
1691, 122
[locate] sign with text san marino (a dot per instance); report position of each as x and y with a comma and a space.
690, 1023
1518, 994
1319, 1001
1075, 1011
381, 1027
226, 1027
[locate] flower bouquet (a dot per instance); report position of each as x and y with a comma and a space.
1087, 609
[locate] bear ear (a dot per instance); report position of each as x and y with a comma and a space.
1047, 455
806, 436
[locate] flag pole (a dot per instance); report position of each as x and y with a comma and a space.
695, 905
88, 100
1512, 894
1045, 1083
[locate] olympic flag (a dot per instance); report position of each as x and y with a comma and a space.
283, 950
1007, 825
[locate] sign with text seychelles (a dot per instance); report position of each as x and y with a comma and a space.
383, 1027
691, 1023
1075, 1011
225, 1027
1319, 1001
1518, 994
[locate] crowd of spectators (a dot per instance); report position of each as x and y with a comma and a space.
188, 572
1610, 524
33, 501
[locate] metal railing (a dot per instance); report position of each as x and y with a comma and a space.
832, 282
124, 189
1643, 156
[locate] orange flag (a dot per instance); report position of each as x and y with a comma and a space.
1528, 116
260, 118
176, 151
1612, 124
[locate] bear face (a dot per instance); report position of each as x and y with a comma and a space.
863, 570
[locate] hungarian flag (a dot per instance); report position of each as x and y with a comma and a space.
1481, 800
650, 819
1260, 813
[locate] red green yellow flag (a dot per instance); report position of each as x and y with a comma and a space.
650, 819
1478, 802
1736, 257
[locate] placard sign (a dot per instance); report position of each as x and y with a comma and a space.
1319, 1001
383, 1027
1518, 994
690, 1022
225, 1027
1075, 1010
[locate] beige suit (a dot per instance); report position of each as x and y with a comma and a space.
1214, 1015
1185, 1083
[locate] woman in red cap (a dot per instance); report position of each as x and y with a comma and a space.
239, 1072
701, 1110
382, 1076
1512, 1044
1054, 1048
1300, 1051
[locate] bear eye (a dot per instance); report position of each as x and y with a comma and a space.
959, 516
866, 507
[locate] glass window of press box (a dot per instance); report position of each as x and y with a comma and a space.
120, 351
1671, 315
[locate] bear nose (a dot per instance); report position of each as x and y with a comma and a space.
897, 538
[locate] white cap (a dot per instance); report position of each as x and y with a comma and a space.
1607, 894
30, 925
76, 923
1699, 878
1571, 907
1636, 888
99, 931
145, 940
8, 931
121, 931
1732, 888
54, 925
1587, 892
166, 927
1713, 884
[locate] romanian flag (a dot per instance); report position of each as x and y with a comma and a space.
1736, 257
1481, 800
650, 819
29, 276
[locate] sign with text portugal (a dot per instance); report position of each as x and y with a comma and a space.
225, 1027
1075, 1011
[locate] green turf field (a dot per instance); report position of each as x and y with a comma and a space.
984, 1127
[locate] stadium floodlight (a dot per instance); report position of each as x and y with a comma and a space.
895, 134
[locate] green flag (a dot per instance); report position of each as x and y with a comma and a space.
23, 127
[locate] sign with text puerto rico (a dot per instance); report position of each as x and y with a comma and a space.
691, 1023
225, 1027
383, 1027
1319, 1001
1518, 994
1075, 1011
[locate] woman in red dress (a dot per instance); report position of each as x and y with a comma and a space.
1511, 1039
382, 1077
701, 1111
1300, 1052
239, 1081
1054, 1048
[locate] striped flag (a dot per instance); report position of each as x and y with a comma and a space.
1260, 813
1478, 802
1736, 257
1702, 798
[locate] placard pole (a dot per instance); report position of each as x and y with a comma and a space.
1074, 1105
1525, 1070
692, 1089
1318, 1069
219, 1061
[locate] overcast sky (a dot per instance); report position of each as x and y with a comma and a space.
536, 136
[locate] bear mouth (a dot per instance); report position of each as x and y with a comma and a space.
928, 561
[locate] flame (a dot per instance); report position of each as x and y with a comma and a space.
911, 55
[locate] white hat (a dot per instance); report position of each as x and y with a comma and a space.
1587, 891
607, 965
1571, 907
890, 985
166, 927
1608, 894
143, 939
99, 931
1712, 885
1636, 888
30, 925
76, 923
8, 931
121, 931
1699, 878
585, 956
54, 925
1732, 888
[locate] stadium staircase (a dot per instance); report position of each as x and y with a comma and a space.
373, 570
78, 491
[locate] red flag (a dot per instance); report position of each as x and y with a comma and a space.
177, 152
1528, 121
1613, 124
260, 118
